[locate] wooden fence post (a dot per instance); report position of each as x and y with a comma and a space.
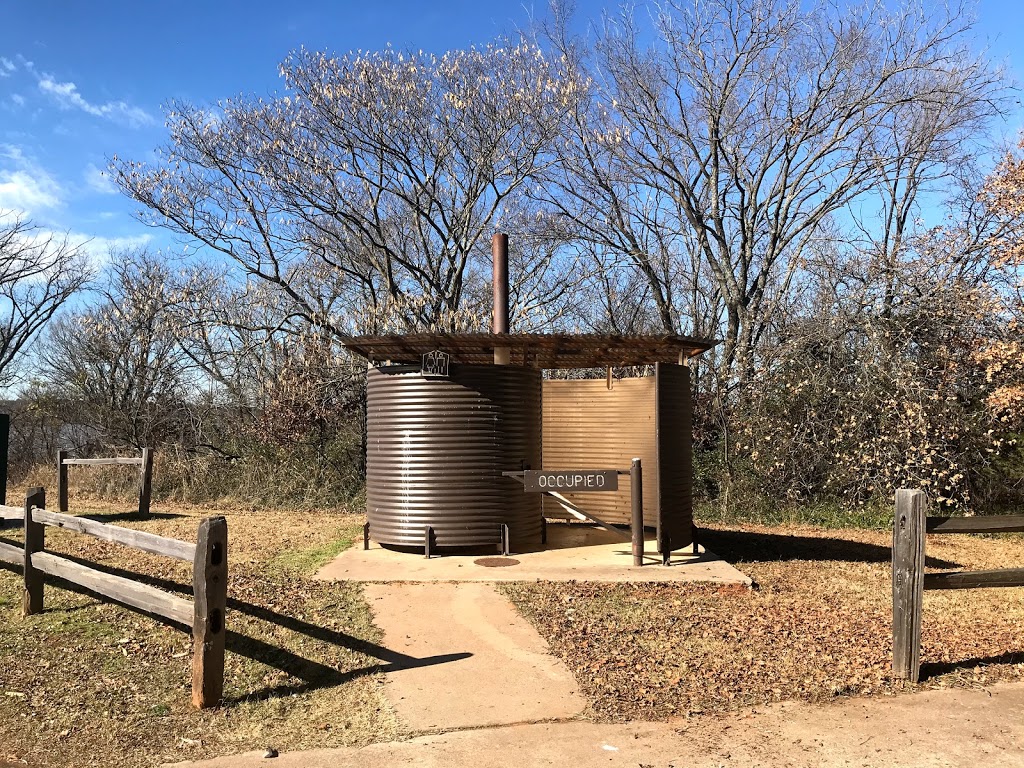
5, 441
908, 536
146, 481
210, 589
62, 482
35, 540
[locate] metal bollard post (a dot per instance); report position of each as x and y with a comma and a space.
636, 493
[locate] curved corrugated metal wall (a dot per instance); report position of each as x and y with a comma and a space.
435, 451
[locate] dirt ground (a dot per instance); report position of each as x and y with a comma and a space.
934, 729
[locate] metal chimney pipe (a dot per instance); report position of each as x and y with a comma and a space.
499, 323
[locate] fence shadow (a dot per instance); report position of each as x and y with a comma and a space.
313, 674
750, 547
132, 516
934, 669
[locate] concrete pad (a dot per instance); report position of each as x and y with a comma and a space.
573, 553
510, 677
938, 728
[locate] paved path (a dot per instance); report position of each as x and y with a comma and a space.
509, 676
926, 730
574, 553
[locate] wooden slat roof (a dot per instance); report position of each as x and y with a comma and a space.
539, 350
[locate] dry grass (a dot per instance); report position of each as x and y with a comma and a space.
817, 627
87, 683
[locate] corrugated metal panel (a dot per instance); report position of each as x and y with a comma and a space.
674, 419
436, 449
588, 426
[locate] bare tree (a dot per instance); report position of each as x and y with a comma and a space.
119, 363
39, 272
714, 157
377, 180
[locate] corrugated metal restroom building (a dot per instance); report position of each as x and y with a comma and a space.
437, 446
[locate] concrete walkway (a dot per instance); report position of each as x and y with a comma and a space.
573, 553
939, 728
508, 677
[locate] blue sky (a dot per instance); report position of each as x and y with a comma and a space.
80, 82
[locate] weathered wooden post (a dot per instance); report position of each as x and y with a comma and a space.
35, 540
146, 481
210, 589
908, 536
5, 441
62, 482
636, 497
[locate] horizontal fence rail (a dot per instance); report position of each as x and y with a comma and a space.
98, 462
10, 554
204, 614
147, 542
117, 588
1006, 577
982, 524
909, 581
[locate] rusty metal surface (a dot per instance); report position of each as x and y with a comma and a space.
435, 452
674, 415
588, 425
537, 350
499, 255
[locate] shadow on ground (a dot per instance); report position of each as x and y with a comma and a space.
749, 547
935, 669
132, 516
313, 674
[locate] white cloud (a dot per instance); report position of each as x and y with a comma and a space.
18, 99
6, 67
99, 181
22, 191
25, 187
67, 97
99, 248
96, 248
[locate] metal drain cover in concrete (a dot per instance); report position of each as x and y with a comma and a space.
496, 562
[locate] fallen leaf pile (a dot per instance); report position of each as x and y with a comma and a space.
817, 626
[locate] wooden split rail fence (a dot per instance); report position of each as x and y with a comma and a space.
204, 614
144, 462
909, 580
